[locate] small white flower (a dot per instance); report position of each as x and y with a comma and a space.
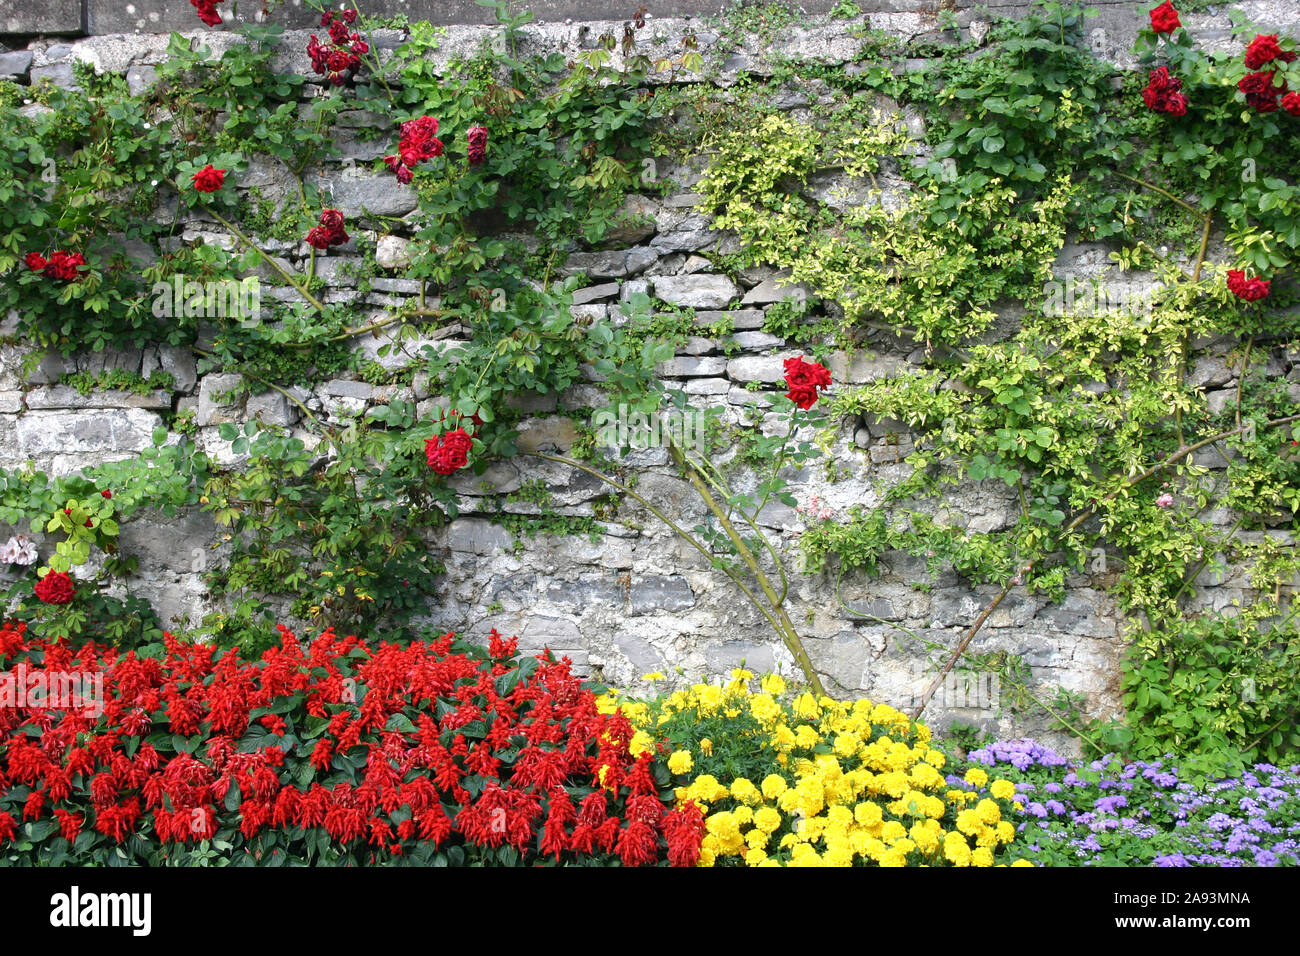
18, 550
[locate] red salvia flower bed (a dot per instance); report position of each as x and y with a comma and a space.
436, 752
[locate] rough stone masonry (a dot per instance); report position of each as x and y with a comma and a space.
637, 599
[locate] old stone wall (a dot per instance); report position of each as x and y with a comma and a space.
636, 599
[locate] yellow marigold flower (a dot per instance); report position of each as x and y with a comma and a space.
774, 785
806, 737
969, 822
745, 791
1022, 863
982, 856
709, 698
706, 857
884, 714
1003, 789
755, 857
707, 789
976, 777
783, 737
788, 841
988, 811
892, 831
606, 704
956, 851
805, 705
706, 747
654, 675
767, 819
868, 814
756, 839
764, 708
927, 838
680, 761
839, 818
742, 674
773, 684
841, 854
926, 777
641, 743
1006, 831
789, 800
742, 814
893, 857
846, 745
893, 783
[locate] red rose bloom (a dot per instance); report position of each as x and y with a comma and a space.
63, 265
55, 588
804, 379
207, 10
209, 180
1291, 103
477, 137
1162, 93
106, 493
330, 232
35, 261
1264, 49
1164, 18
1250, 290
448, 452
1260, 92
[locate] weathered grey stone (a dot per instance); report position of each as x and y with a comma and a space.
140, 79
346, 388
403, 286
634, 221
768, 369
771, 290
641, 654
358, 192
63, 396
599, 265
607, 290
755, 341
181, 364
729, 655
15, 63
392, 252
44, 433
696, 291
271, 408
739, 319
1209, 371
658, 593
477, 536
706, 386
212, 411
59, 74
11, 402
554, 434
685, 367
862, 367
41, 16
178, 543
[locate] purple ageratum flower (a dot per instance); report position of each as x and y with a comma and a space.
1111, 804
1056, 807
1173, 859
1219, 821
